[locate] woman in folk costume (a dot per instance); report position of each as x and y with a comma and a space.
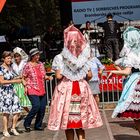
73, 106
20, 59
129, 103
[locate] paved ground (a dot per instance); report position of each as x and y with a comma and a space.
113, 129
122, 129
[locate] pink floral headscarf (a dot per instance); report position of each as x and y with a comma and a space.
74, 40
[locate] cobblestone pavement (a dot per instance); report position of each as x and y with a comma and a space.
113, 129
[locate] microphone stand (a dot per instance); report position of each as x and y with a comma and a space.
96, 32
125, 18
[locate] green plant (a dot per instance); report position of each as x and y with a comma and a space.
48, 63
106, 61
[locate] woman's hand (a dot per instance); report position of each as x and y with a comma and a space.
17, 80
12, 81
58, 74
101, 71
125, 71
48, 77
17, 77
89, 75
25, 90
23, 82
110, 74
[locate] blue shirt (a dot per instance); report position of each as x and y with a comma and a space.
96, 64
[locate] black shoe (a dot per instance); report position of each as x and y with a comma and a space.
39, 128
27, 129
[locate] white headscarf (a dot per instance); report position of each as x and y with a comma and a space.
130, 53
17, 69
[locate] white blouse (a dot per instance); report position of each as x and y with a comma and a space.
72, 67
17, 69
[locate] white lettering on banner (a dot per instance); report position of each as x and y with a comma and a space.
96, 11
114, 80
79, 10
130, 7
107, 8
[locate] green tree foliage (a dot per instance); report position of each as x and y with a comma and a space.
37, 14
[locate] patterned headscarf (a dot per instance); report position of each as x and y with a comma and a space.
74, 40
75, 55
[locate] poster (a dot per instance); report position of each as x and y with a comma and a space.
96, 10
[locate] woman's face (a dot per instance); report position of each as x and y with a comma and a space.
17, 58
36, 57
8, 60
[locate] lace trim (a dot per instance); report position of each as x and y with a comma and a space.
127, 103
134, 107
75, 97
78, 74
137, 88
73, 62
130, 61
74, 118
74, 108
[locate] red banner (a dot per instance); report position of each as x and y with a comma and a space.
113, 83
2, 3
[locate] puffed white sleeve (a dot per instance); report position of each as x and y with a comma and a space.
58, 62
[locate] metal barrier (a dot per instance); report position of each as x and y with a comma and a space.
109, 98
50, 86
106, 97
